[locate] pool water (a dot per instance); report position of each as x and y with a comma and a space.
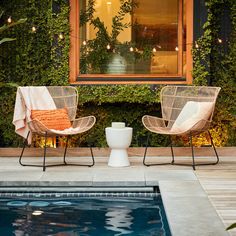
101, 216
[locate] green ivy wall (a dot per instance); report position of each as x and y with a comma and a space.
41, 58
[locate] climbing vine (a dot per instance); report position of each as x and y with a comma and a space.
215, 65
40, 57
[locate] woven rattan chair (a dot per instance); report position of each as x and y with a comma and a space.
186, 110
64, 101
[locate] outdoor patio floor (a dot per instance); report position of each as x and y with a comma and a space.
186, 193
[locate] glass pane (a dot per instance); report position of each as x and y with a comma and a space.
128, 37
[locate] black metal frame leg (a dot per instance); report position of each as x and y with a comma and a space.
145, 155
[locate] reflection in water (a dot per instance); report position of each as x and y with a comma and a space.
119, 220
105, 216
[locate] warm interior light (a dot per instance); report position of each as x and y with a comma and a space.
109, 3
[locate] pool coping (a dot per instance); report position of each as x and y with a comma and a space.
188, 209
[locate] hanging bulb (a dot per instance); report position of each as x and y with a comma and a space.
220, 40
108, 47
176, 49
154, 50
84, 43
9, 20
61, 36
33, 29
131, 49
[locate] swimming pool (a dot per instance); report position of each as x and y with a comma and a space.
83, 214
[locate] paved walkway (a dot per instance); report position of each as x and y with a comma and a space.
192, 202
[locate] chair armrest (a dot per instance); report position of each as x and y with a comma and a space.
84, 123
37, 127
151, 122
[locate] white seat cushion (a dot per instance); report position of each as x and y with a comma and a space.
191, 114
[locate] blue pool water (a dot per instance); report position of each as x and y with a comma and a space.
110, 214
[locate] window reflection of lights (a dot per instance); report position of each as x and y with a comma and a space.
37, 213
176, 49
131, 49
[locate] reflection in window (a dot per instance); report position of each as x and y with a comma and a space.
132, 37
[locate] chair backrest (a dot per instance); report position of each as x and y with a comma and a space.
174, 98
65, 96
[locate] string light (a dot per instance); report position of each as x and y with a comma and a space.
61, 36
220, 40
131, 49
154, 50
84, 43
108, 47
176, 49
9, 20
33, 29
196, 45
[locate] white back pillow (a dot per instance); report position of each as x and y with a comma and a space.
191, 114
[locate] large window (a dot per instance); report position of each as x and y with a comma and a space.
131, 39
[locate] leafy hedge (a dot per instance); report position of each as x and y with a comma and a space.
215, 64
41, 58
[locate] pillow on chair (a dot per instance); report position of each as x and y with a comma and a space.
191, 114
57, 119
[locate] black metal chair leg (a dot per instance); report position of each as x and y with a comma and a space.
64, 157
93, 162
45, 150
23, 149
151, 164
145, 152
172, 152
191, 144
212, 144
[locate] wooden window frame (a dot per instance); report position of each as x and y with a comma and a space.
130, 79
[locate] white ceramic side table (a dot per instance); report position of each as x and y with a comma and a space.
118, 139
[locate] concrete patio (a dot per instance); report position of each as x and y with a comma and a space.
201, 202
